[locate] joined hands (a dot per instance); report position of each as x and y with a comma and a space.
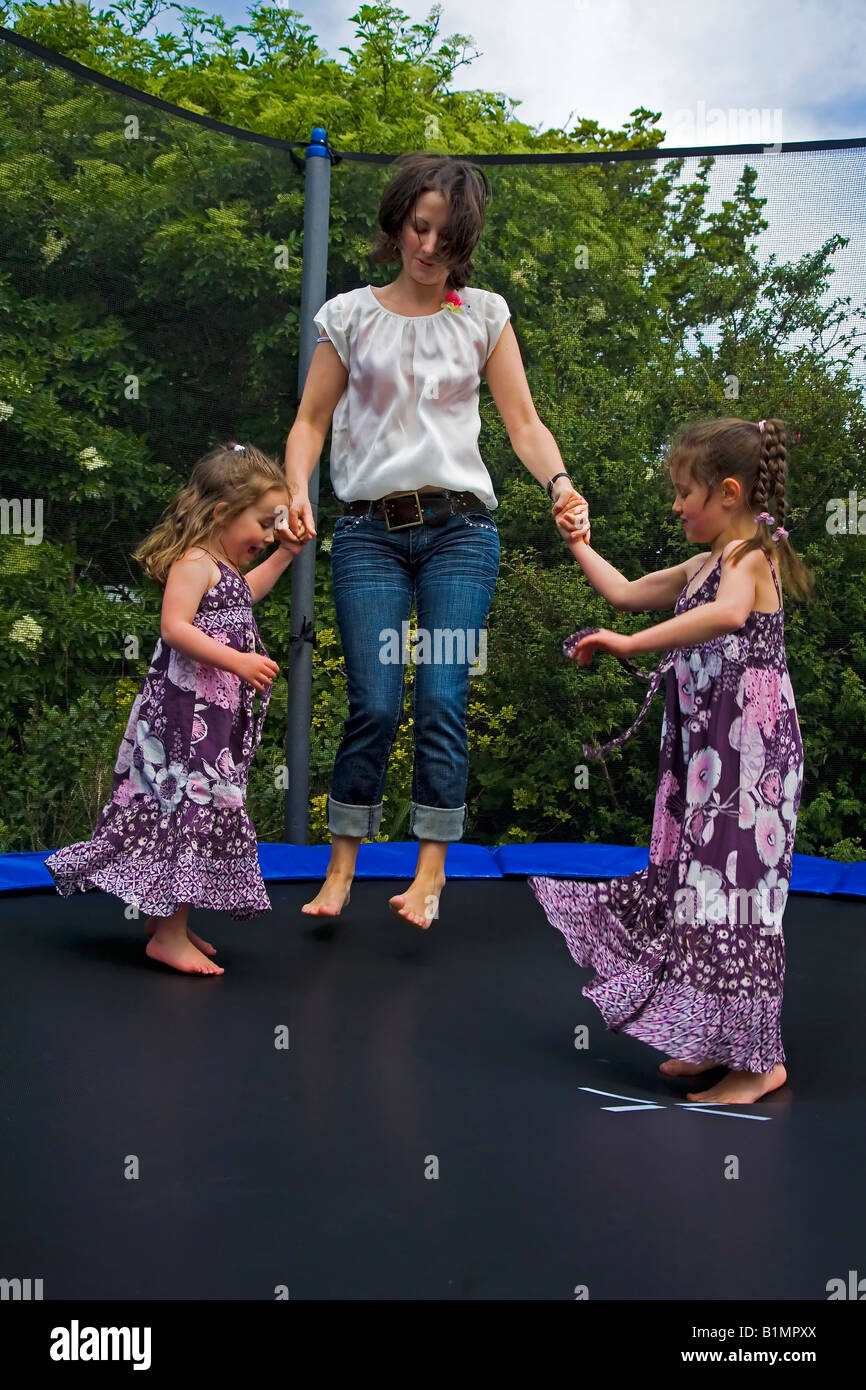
570, 512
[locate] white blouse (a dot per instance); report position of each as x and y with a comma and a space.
408, 417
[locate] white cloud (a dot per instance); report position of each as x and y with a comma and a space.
602, 58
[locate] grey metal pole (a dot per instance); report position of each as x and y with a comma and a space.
313, 294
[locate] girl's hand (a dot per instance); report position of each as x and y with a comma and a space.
574, 524
617, 643
570, 511
286, 540
257, 669
566, 496
301, 522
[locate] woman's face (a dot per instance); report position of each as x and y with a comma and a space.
420, 240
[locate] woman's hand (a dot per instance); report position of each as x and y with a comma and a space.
574, 526
301, 523
617, 643
284, 536
570, 511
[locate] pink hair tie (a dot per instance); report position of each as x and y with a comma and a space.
765, 516
780, 531
761, 424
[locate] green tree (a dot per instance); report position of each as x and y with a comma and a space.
150, 288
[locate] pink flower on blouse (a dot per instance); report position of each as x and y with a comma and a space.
453, 302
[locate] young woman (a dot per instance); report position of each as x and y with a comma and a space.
399, 370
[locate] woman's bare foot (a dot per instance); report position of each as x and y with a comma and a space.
742, 1087
205, 947
420, 903
179, 952
331, 898
677, 1068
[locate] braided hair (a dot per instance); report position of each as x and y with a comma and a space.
756, 455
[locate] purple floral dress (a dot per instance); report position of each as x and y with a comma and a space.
176, 828
689, 953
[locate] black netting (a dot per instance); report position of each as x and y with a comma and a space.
149, 306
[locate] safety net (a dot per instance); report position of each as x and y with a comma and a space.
150, 286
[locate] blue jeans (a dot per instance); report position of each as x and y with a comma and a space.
450, 571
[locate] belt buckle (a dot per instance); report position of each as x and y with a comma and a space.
403, 524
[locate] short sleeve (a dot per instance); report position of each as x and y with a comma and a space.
496, 315
330, 320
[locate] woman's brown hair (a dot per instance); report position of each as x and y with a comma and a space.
466, 189
711, 450
237, 476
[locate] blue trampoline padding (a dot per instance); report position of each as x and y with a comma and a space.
396, 859
809, 874
570, 861
27, 870
279, 862
383, 859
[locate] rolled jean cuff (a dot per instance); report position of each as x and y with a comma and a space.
358, 821
437, 822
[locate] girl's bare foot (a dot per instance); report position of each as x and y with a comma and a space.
420, 903
677, 1068
179, 952
204, 946
742, 1087
331, 898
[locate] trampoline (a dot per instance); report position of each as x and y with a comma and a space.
359, 1110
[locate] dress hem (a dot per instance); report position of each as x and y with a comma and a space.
678, 1019
154, 900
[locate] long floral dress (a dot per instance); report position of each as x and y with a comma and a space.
689, 953
176, 829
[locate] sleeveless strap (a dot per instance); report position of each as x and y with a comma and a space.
222, 564
775, 580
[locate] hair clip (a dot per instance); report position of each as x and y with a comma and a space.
780, 531
240, 449
761, 424
765, 516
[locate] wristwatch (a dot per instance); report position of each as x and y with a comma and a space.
553, 480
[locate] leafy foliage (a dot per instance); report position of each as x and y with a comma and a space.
149, 305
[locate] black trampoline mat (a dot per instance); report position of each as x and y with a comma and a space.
409, 1053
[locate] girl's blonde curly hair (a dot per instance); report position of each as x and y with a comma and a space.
231, 476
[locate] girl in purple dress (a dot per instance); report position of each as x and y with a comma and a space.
176, 833
689, 953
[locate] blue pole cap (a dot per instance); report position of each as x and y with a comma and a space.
319, 142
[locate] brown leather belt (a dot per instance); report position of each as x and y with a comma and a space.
416, 509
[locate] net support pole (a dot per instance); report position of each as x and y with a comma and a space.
313, 294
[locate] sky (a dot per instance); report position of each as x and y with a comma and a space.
719, 72
801, 62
